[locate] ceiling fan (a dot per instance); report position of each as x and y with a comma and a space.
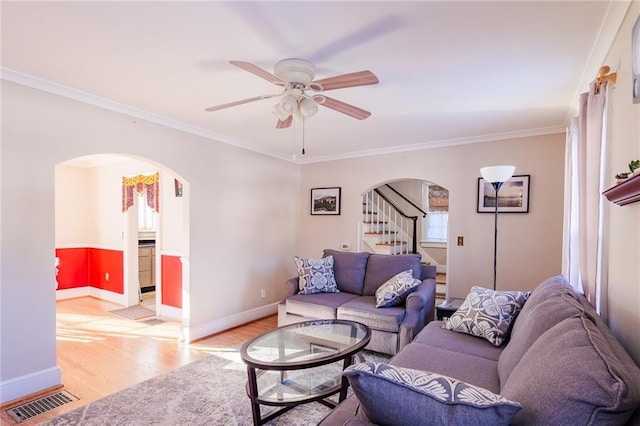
296, 77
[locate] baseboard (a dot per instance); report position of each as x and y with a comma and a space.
107, 295
72, 293
19, 387
198, 331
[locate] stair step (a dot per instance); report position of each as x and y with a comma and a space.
369, 222
392, 243
441, 278
380, 232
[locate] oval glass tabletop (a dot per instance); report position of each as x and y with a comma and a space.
302, 344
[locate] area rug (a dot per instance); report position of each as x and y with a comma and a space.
134, 312
210, 391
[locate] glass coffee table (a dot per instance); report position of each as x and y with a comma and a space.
300, 363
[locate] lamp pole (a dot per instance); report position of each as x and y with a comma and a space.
496, 175
496, 186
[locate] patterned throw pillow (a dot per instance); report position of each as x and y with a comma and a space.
316, 275
487, 313
421, 395
396, 289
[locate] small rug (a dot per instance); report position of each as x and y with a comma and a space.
134, 312
210, 391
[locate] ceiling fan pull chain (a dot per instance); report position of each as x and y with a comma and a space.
302, 135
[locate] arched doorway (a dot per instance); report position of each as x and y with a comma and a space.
98, 238
408, 216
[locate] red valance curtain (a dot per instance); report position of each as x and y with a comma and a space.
148, 185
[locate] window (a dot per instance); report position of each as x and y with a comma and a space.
436, 204
146, 215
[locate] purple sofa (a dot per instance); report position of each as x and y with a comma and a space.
561, 364
358, 276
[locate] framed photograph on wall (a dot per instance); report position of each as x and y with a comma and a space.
513, 196
325, 201
178, 187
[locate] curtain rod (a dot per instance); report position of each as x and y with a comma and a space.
603, 75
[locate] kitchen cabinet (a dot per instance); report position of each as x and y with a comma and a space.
146, 266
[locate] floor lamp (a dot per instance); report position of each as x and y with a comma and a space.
496, 175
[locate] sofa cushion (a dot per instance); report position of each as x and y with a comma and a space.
348, 269
319, 305
466, 367
433, 334
571, 376
316, 275
381, 267
549, 303
487, 313
441, 399
363, 309
396, 289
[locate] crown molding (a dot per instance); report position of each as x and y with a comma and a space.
98, 101
441, 143
88, 98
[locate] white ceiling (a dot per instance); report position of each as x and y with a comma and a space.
450, 72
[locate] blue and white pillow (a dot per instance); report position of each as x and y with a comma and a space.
487, 313
422, 396
316, 275
396, 289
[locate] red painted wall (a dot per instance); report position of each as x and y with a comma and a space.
171, 281
102, 262
82, 266
73, 270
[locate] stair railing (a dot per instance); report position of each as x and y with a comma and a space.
387, 212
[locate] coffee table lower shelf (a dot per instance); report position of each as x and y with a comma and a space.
257, 401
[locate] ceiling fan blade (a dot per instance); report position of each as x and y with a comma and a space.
254, 69
360, 78
283, 124
343, 107
240, 102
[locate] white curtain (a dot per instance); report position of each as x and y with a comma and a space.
585, 247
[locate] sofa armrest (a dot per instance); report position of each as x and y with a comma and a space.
291, 287
424, 295
419, 311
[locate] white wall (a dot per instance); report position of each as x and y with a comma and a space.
243, 222
74, 206
529, 246
624, 223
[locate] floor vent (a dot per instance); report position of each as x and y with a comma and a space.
39, 406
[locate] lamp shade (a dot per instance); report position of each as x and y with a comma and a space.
497, 173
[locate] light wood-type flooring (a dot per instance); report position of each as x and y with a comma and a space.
101, 353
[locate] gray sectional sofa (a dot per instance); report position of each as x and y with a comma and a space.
561, 364
358, 276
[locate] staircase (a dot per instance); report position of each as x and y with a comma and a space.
388, 230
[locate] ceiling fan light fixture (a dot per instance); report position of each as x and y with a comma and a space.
308, 107
280, 112
289, 103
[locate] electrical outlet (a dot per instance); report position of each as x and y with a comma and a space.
106, 276
460, 241
263, 293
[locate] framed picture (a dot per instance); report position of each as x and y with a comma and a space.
513, 196
178, 187
325, 201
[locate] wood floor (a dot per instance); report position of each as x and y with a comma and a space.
101, 353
